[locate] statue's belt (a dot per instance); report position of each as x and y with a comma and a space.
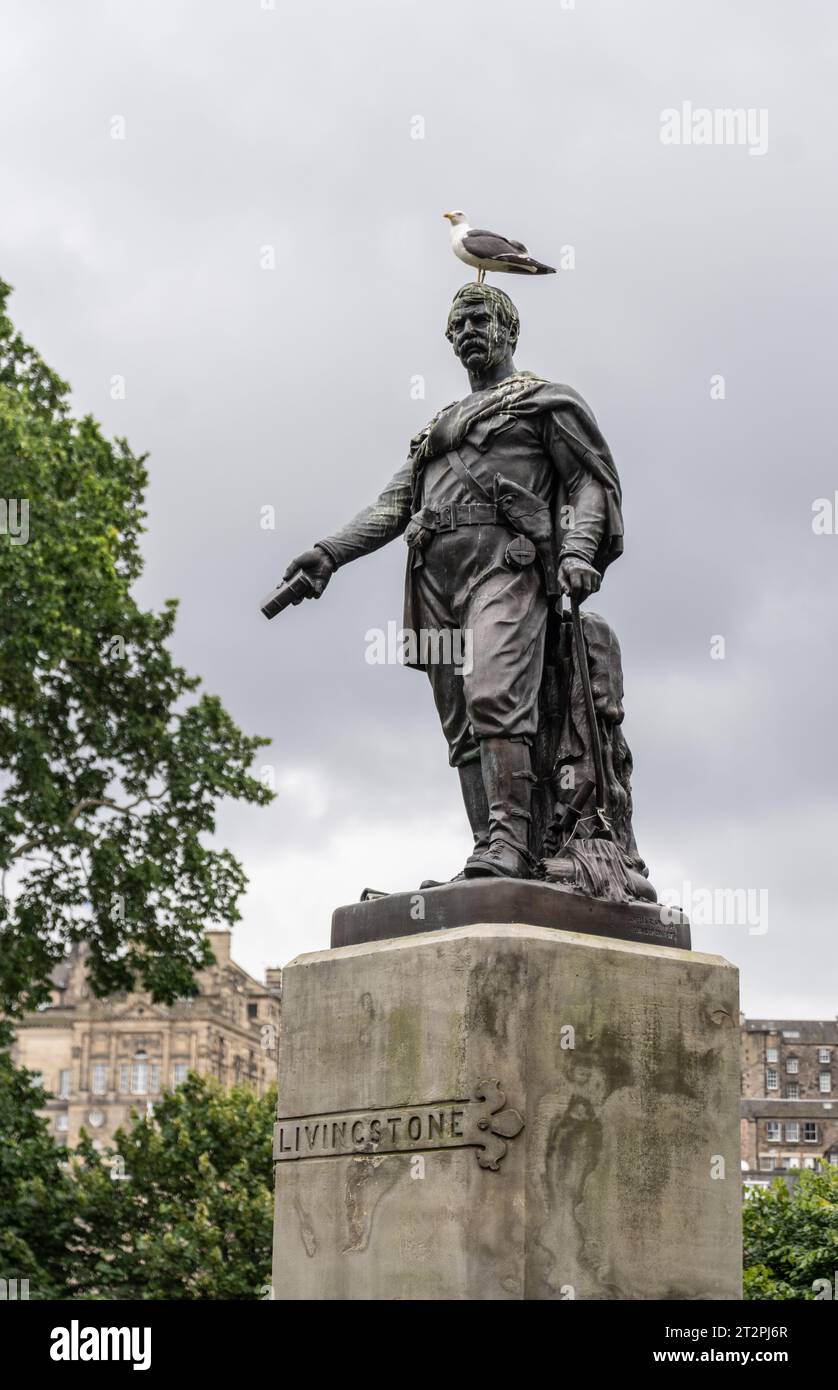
452, 515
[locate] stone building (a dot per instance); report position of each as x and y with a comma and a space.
789, 1114
101, 1058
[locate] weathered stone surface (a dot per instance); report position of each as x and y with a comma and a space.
623, 1182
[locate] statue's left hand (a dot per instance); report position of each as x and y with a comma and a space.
578, 579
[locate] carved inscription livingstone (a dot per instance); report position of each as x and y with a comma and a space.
483, 1123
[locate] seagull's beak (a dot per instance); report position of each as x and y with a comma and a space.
448, 215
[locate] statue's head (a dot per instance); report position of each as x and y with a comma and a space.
483, 326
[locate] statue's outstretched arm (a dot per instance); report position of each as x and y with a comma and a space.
373, 527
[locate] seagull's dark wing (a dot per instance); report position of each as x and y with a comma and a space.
491, 247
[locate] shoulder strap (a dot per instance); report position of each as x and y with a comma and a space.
458, 465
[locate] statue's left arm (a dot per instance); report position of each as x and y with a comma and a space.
582, 514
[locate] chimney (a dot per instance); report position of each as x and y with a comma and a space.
273, 980
219, 940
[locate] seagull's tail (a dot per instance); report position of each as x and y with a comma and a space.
525, 265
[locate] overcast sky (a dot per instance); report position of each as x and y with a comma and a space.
294, 128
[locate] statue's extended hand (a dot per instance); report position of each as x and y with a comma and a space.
578, 579
317, 565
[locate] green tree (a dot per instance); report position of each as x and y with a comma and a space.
791, 1236
192, 1216
109, 776
37, 1196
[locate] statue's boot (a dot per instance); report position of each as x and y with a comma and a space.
507, 778
476, 803
477, 810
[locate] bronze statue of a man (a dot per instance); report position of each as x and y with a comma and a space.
508, 499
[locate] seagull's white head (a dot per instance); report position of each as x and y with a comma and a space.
457, 219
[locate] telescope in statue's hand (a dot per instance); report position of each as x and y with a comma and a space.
291, 591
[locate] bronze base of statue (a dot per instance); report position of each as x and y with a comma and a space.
514, 901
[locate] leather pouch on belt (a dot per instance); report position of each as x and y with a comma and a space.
420, 528
530, 516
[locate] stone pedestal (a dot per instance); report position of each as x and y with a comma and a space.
508, 1112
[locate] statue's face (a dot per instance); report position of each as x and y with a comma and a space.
477, 336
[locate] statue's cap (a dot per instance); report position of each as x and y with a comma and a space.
497, 302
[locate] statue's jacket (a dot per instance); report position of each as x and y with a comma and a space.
540, 435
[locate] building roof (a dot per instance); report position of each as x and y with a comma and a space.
810, 1030
766, 1108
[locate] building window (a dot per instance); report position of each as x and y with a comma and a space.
792, 1066
792, 1090
253, 1010
824, 1054
810, 1132
772, 1131
62, 1123
139, 1078
180, 1071
771, 1080
154, 1078
833, 1158
99, 1079
766, 1163
825, 1082
771, 1054
791, 1033
124, 1077
793, 1161
64, 1082
793, 1132
809, 1161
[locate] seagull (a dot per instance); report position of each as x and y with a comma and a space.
488, 251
